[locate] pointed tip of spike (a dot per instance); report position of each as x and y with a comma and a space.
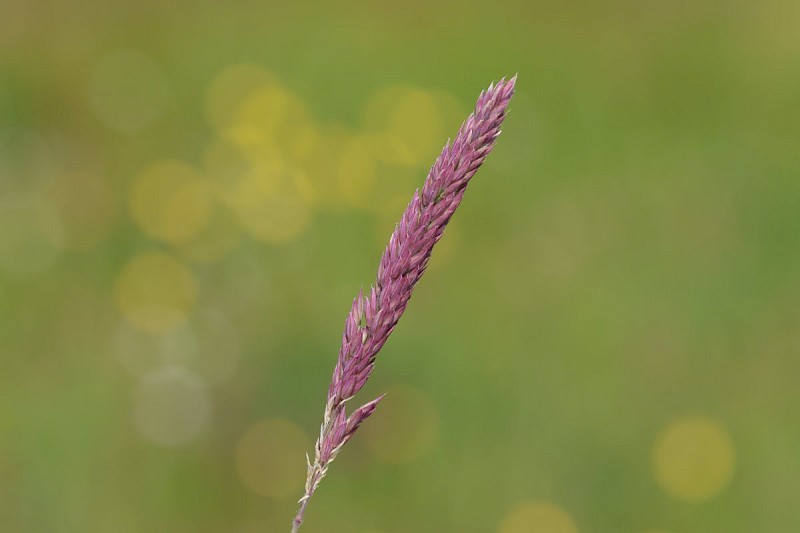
502, 88
509, 83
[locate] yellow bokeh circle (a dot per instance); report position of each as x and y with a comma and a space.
388, 437
224, 163
356, 172
155, 292
230, 87
215, 240
693, 459
276, 219
170, 201
171, 407
208, 344
267, 458
269, 202
136, 350
273, 117
537, 517
328, 168
408, 122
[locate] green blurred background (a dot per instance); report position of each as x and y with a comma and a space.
191, 194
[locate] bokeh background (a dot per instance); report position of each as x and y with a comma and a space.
191, 194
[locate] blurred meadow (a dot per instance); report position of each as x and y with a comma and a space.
607, 339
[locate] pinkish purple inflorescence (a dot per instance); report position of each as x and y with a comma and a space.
374, 315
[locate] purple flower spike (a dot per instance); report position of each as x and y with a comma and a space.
374, 315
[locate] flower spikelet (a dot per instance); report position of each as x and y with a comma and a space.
375, 313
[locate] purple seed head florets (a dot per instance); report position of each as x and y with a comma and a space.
375, 314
